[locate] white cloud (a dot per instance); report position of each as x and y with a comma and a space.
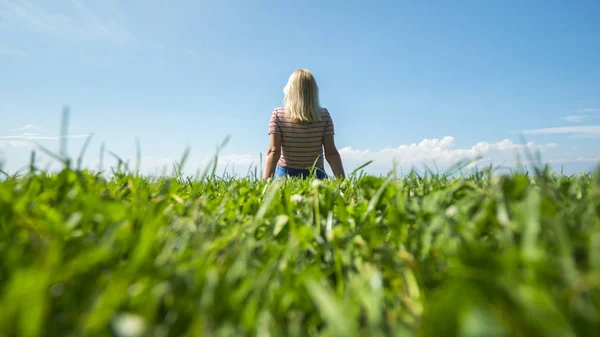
35, 136
77, 22
582, 114
233, 159
17, 143
151, 165
583, 129
26, 139
574, 118
232, 163
583, 136
440, 152
588, 110
239, 159
28, 127
6, 51
238, 163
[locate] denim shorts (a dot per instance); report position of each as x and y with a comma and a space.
303, 173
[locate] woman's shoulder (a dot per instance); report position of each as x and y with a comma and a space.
278, 110
325, 113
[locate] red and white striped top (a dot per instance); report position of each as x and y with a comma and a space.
301, 143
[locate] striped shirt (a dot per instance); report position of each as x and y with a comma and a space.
301, 143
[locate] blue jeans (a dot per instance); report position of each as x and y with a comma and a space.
293, 172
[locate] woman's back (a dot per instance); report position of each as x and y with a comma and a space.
301, 132
301, 143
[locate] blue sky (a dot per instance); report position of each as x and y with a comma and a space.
412, 81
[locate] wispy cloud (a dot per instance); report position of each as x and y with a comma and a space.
27, 139
34, 136
15, 143
154, 164
574, 118
582, 114
584, 136
583, 129
28, 127
6, 51
589, 110
237, 159
232, 162
76, 21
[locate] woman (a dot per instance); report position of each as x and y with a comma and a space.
299, 131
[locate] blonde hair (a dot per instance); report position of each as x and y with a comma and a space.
301, 100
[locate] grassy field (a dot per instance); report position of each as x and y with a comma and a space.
431, 255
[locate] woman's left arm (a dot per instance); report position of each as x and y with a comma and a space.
273, 154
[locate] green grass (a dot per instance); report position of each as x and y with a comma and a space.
484, 255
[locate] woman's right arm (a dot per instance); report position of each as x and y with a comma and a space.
333, 156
